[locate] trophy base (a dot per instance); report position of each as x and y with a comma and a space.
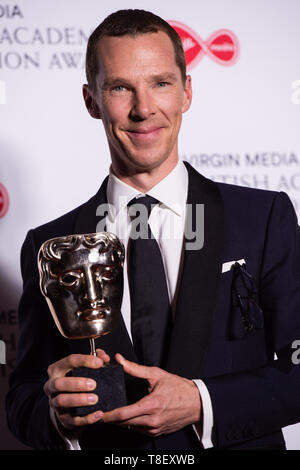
110, 388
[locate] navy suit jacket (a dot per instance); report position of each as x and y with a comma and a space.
253, 396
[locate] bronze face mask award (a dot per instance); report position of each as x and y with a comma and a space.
81, 277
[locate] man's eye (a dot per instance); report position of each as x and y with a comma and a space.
162, 84
119, 88
68, 280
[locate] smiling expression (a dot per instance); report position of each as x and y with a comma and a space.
140, 98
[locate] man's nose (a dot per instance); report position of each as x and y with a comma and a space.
143, 105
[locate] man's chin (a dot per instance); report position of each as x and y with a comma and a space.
146, 163
129, 162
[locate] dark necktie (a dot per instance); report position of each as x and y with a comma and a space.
151, 319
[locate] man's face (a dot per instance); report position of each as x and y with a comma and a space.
140, 98
84, 291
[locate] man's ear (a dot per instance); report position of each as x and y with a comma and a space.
90, 102
188, 94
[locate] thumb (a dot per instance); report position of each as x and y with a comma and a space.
136, 370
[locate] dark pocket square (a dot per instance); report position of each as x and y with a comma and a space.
246, 314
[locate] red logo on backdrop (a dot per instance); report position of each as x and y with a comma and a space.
4, 200
222, 46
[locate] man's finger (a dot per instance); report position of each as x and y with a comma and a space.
69, 421
69, 384
63, 366
140, 408
103, 355
73, 400
132, 368
143, 421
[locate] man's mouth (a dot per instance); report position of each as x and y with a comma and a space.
144, 134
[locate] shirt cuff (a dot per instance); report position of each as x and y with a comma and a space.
70, 443
205, 434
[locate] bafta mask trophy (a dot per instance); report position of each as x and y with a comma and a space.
81, 277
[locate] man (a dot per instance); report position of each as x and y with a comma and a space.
235, 300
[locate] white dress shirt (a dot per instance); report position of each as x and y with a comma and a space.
167, 223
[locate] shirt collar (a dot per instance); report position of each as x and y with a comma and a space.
170, 191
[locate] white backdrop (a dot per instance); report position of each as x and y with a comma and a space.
243, 127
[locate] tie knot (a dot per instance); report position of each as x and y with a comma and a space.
147, 201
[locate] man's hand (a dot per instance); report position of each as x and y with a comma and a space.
64, 392
173, 402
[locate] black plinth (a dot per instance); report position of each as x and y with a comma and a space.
110, 388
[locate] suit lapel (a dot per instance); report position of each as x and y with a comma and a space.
87, 219
198, 290
118, 340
